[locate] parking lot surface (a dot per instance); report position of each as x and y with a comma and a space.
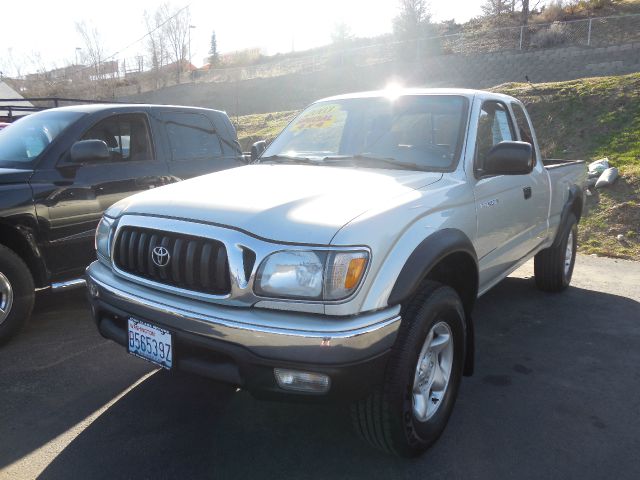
556, 394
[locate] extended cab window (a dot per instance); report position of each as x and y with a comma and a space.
494, 126
524, 128
192, 136
126, 136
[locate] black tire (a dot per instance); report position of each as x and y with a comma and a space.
16, 272
549, 264
386, 418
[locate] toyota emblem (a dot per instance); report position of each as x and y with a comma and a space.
160, 256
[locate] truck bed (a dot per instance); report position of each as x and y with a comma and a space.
562, 175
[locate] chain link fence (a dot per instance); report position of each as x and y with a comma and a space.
586, 33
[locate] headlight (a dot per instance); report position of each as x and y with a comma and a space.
103, 237
311, 275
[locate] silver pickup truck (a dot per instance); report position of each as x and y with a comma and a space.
346, 261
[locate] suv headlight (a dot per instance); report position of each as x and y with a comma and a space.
311, 275
103, 238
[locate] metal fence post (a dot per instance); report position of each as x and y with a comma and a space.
521, 35
589, 33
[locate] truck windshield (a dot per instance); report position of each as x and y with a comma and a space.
421, 132
23, 141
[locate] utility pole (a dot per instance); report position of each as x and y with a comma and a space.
77, 50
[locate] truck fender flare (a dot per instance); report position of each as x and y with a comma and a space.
424, 257
20, 239
575, 200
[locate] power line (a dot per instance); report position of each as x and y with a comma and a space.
113, 55
149, 33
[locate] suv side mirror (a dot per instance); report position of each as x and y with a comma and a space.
509, 158
257, 149
89, 151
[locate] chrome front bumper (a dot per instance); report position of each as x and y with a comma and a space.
270, 334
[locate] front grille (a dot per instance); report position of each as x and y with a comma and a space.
194, 263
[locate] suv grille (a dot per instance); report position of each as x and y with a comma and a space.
192, 263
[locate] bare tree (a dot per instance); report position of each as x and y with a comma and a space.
175, 28
413, 20
156, 44
93, 51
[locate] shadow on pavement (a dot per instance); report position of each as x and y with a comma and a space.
555, 394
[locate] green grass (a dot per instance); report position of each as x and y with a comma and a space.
584, 119
252, 128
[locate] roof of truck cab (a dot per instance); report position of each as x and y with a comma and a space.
393, 92
98, 107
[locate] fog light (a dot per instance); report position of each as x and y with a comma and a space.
302, 381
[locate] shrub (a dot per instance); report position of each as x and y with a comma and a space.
550, 36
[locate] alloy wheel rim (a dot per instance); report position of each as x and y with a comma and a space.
568, 254
6, 297
433, 372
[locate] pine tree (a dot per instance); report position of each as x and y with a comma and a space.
213, 52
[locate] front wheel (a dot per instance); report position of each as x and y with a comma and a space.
408, 413
553, 266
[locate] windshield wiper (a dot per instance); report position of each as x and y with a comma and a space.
378, 161
288, 159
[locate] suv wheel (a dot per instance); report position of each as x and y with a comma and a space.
16, 293
408, 413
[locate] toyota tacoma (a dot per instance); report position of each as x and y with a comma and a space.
346, 261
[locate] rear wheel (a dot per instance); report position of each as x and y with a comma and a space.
408, 413
553, 266
16, 293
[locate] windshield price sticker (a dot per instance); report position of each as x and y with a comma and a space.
320, 117
150, 342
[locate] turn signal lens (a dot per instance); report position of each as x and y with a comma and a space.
354, 272
345, 271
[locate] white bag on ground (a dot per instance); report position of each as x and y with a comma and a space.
607, 178
599, 166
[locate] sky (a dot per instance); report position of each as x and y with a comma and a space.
46, 30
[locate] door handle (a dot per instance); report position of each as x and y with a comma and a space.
527, 192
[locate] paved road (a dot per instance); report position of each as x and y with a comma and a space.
556, 395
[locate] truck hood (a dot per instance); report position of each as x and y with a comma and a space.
14, 175
296, 203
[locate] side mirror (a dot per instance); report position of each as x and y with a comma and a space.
509, 158
89, 151
257, 149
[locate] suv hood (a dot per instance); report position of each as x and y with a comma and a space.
296, 203
14, 175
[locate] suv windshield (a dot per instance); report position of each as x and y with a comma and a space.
24, 141
422, 132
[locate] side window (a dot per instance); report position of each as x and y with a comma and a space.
192, 137
494, 126
126, 136
524, 128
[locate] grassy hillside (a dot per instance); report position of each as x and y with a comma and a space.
582, 119
589, 119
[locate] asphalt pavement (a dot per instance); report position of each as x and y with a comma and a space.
556, 394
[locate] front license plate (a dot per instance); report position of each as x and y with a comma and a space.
150, 342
